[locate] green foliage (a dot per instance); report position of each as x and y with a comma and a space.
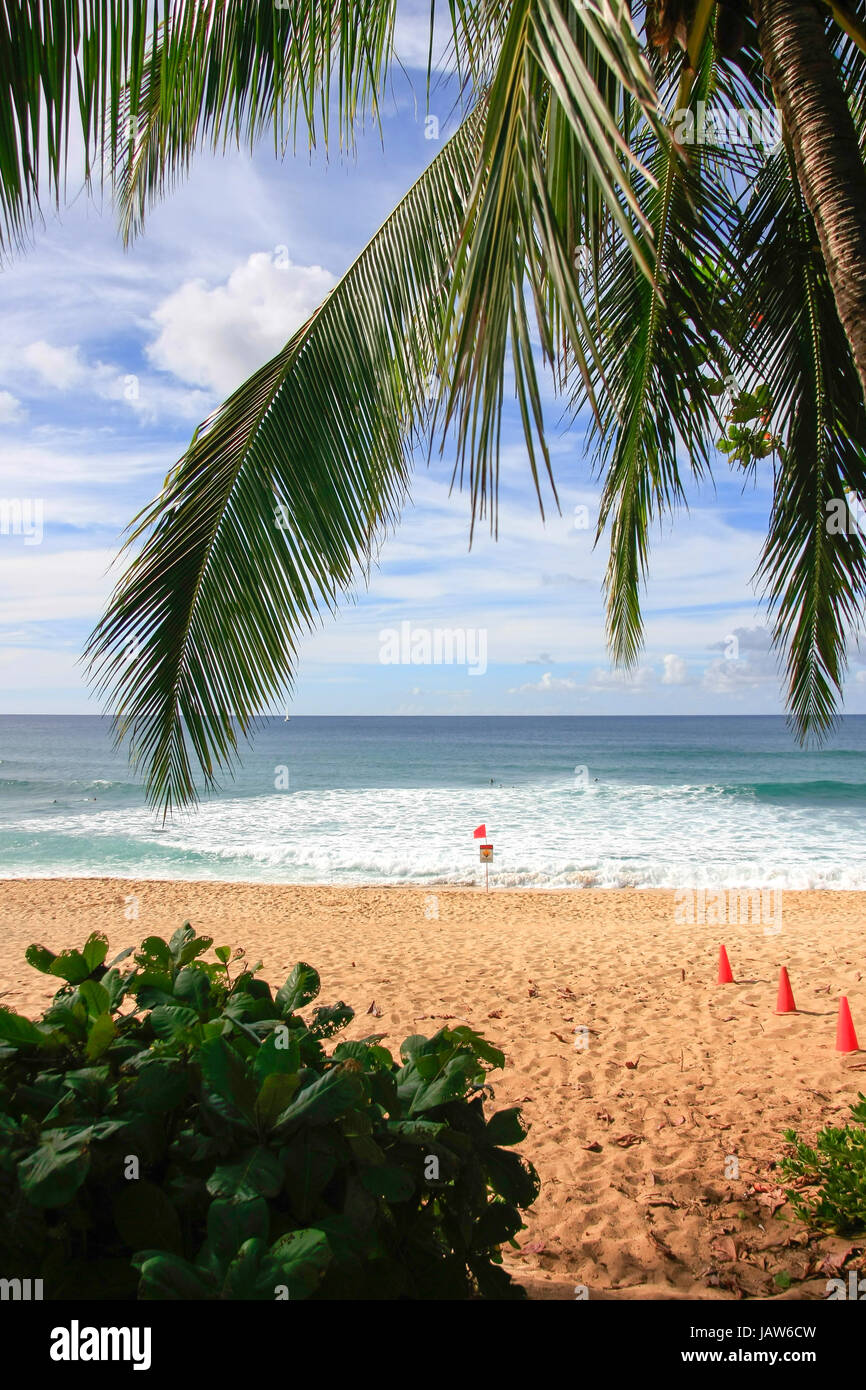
747, 437
836, 1167
268, 1167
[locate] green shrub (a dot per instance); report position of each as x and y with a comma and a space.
170, 1132
836, 1167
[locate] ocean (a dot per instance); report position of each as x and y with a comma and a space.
568, 802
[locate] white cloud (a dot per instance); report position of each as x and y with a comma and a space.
55, 366
617, 679
674, 670
64, 368
548, 684
10, 409
216, 337
746, 639
731, 677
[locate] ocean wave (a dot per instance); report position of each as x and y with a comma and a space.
823, 790
550, 836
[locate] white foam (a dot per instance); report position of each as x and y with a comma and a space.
545, 836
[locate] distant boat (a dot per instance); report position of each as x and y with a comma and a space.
286, 720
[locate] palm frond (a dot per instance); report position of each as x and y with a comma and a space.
63, 67
813, 577
271, 514
553, 156
222, 71
658, 335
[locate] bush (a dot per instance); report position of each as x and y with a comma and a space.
837, 1168
169, 1132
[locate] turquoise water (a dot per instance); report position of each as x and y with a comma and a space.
567, 802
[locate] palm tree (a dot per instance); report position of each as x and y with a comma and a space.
688, 291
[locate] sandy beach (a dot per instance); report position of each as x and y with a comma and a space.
638, 1130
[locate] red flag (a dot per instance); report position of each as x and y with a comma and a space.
480, 833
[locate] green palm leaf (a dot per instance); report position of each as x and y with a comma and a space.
273, 512
62, 67
229, 70
219, 70
554, 166
657, 336
813, 578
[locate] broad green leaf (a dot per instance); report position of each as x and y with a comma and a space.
155, 951
258, 1173
302, 985
310, 1160
225, 1072
241, 1279
166, 1276
192, 987
40, 958
297, 1260
278, 1054
511, 1177
70, 966
100, 1037
451, 1085
160, 1086
53, 1173
95, 996
505, 1127
229, 1226
275, 1094
168, 1020
329, 1019
479, 1045
323, 1100
95, 949
499, 1223
19, 1030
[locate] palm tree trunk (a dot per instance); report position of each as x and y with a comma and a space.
810, 95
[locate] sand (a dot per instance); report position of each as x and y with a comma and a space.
657, 1141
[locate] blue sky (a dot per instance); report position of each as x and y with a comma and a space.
109, 359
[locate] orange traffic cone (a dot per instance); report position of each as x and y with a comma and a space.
785, 998
846, 1038
725, 975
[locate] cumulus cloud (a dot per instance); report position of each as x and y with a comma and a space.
42, 366
743, 639
548, 684
55, 366
543, 659
675, 672
216, 336
628, 681
730, 677
10, 409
